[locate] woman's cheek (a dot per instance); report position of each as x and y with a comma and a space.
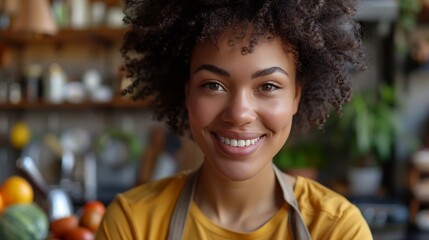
277, 116
201, 110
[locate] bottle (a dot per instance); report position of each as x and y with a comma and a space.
33, 88
54, 84
60, 9
15, 93
79, 14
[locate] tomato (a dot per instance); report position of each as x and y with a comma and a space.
79, 233
60, 226
91, 219
95, 204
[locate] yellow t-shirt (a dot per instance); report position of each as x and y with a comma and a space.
144, 213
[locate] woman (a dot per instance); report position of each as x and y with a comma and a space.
238, 75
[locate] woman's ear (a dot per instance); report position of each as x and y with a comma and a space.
298, 92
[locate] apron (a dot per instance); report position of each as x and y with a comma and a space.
297, 227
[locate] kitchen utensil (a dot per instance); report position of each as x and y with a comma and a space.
46, 157
58, 203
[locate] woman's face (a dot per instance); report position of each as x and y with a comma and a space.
241, 106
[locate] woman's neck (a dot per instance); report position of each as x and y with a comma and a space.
239, 205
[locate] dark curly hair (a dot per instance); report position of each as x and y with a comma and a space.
322, 33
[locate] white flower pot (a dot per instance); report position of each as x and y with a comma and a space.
365, 181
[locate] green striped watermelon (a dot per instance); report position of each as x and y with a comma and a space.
23, 221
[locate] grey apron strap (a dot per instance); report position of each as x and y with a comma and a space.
297, 226
177, 224
178, 220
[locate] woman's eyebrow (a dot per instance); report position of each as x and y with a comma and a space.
268, 71
214, 69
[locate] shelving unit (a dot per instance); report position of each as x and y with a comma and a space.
40, 105
104, 35
76, 50
415, 176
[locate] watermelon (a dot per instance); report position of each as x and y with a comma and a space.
23, 221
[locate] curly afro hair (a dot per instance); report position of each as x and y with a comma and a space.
322, 33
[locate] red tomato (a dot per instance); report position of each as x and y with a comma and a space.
79, 233
95, 204
91, 219
60, 226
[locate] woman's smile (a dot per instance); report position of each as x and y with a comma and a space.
238, 145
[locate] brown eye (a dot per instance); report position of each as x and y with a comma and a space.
267, 87
214, 86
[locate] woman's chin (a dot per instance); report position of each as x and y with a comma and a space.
237, 171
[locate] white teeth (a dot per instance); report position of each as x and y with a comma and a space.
238, 142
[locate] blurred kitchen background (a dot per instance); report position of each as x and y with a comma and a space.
61, 105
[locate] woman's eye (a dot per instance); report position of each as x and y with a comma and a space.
268, 87
214, 86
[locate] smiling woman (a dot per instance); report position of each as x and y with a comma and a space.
238, 90
238, 76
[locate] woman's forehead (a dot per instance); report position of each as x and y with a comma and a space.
227, 42
267, 54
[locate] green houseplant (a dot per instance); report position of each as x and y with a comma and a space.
369, 120
369, 127
408, 14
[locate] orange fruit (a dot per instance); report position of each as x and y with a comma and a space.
16, 190
1, 204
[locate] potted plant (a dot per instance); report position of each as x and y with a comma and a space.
301, 159
369, 127
409, 11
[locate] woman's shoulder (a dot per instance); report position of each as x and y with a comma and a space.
329, 214
317, 198
153, 193
141, 212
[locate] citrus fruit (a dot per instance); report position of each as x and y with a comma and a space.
1, 204
16, 190
20, 135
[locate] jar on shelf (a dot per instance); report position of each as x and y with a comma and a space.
54, 84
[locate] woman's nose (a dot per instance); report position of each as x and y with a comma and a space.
239, 110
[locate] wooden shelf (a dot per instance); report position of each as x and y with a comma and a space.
103, 35
415, 175
116, 104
